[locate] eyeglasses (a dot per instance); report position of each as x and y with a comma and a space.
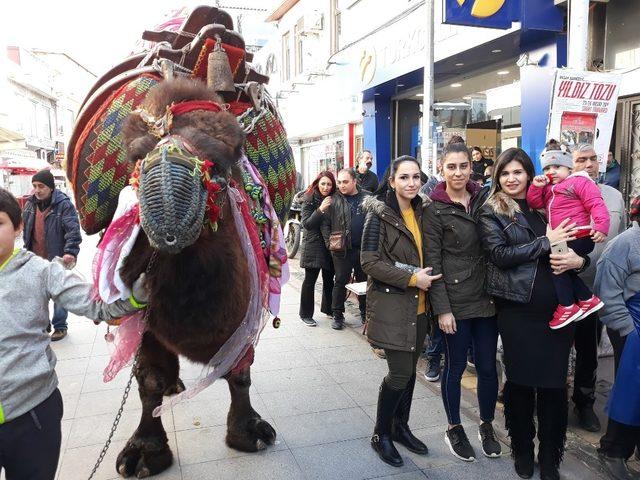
593, 158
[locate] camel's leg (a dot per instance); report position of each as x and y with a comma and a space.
246, 431
147, 452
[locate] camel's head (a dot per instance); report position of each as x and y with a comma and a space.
186, 146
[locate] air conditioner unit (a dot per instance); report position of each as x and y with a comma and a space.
312, 23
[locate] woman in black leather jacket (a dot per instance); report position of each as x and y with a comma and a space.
315, 256
517, 243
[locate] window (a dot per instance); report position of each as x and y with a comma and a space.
299, 45
286, 57
335, 27
43, 121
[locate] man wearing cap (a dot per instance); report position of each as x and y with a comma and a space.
364, 176
52, 229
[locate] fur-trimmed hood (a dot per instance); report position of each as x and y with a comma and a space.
378, 206
373, 204
503, 204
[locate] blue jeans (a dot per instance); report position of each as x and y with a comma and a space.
59, 319
482, 333
434, 350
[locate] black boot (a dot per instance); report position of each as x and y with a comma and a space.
381, 440
587, 418
616, 467
552, 430
401, 432
519, 404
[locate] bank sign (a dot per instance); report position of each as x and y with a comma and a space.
532, 14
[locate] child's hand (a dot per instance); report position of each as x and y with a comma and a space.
597, 237
140, 289
540, 181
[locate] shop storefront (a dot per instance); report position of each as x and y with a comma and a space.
479, 77
622, 54
321, 153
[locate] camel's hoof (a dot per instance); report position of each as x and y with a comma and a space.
250, 434
144, 457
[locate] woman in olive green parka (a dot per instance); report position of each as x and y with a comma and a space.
392, 255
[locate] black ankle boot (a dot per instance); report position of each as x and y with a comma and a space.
401, 432
519, 404
381, 440
548, 471
523, 464
552, 428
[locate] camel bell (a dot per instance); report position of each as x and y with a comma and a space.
219, 75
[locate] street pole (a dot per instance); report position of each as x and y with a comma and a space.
578, 34
426, 146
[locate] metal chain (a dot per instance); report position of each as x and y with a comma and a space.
127, 389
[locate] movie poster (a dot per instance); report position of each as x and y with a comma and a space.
583, 108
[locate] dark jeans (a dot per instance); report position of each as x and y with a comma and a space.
483, 334
59, 319
434, 351
344, 264
586, 340
30, 444
620, 439
402, 364
307, 291
568, 285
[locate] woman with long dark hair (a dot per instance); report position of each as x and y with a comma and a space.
465, 312
315, 257
392, 256
517, 242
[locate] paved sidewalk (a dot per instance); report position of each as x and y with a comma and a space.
317, 386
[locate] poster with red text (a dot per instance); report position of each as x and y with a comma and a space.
583, 108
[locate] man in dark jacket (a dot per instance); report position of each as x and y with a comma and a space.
366, 179
52, 229
345, 216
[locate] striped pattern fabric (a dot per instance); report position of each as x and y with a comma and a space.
103, 170
268, 149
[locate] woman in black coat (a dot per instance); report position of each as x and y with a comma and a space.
315, 256
517, 243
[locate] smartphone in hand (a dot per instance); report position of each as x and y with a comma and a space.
559, 248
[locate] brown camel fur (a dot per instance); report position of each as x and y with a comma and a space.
198, 297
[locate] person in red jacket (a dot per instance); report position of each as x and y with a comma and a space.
575, 197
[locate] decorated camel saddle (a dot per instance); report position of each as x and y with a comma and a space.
180, 159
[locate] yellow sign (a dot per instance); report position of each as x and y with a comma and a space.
484, 8
367, 65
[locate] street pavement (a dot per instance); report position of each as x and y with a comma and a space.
318, 387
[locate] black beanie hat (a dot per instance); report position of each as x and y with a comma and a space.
46, 177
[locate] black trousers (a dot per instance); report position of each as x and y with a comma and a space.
586, 340
344, 264
30, 444
307, 301
620, 439
568, 285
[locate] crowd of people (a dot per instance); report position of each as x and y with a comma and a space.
539, 262
484, 251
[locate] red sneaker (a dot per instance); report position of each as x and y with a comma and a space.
563, 316
589, 306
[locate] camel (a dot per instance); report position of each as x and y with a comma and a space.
199, 292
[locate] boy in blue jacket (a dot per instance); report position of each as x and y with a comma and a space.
30, 402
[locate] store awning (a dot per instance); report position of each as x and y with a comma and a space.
22, 165
8, 135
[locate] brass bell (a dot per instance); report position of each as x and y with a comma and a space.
219, 75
